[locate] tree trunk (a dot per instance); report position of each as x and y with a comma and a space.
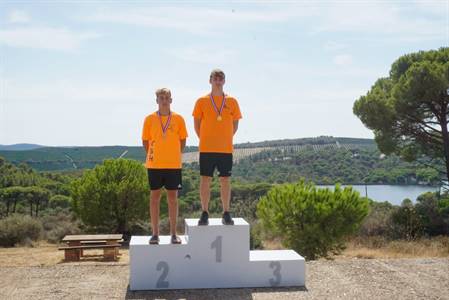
445, 135
37, 209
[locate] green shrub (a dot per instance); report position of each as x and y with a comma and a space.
310, 220
60, 201
58, 223
378, 222
406, 222
112, 195
17, 229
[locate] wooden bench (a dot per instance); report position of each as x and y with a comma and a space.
110, 243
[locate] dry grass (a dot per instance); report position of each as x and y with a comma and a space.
45, 254
378, 247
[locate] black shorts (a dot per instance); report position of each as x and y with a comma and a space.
171, 179
222, 161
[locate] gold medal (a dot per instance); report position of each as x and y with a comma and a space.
218, 111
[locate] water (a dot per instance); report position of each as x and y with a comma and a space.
391, 193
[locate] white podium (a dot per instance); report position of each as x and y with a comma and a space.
212, 256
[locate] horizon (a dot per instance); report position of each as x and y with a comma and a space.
117, 145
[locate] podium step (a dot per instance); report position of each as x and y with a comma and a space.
212, 256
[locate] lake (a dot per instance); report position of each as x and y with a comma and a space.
391, 193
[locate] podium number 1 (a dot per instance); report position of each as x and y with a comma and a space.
217, 244
161, 282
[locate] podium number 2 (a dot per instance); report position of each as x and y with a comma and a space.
161, 282
217, 244
276, 266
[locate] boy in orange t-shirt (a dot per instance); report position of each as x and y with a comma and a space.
164, 138
216, 118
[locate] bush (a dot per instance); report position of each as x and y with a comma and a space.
255, 237
58, 223
433, 213
310, 220
60, 201
112, 195
378, 220
19, 229
406, 222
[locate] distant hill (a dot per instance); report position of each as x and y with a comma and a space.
20, 147
65, 158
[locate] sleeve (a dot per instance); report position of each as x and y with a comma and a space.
198, 111
182, 129
146, 134
236, 114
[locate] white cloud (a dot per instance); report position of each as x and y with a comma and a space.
44, 38
381, 18
73, 91
369, 17
342, 60
18, 16
196, 19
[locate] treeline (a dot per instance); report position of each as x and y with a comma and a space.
330, 166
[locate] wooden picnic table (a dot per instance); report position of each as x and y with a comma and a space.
110, 243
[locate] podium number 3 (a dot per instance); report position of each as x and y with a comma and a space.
161, 282
217, 244
276, 266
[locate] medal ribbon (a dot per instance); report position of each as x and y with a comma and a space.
164, 127
215, 106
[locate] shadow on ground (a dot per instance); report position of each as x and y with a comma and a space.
199, 294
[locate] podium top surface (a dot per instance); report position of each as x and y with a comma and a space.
273, 255
216, 222
163, 240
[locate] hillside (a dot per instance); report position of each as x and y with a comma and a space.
70, 158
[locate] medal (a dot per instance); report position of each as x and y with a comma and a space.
164, 127
219, 118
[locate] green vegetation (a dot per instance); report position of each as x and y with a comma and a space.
330, 166
408, 111
310, 220
112, 195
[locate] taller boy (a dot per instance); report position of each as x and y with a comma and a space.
216, 118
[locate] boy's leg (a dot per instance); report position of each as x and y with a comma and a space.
205, 192
225, 192
155, 198
172, 198
224, 166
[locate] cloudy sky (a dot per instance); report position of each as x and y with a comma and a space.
85, 74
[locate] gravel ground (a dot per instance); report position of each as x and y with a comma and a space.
338, 279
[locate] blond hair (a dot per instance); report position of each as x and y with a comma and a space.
217, 72
163, 91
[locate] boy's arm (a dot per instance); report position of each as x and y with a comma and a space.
183, 144
197, 123
146, 146
236, 125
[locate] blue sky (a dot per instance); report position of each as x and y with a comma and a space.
85, 73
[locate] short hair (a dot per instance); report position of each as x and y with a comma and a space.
163, 91
218, 73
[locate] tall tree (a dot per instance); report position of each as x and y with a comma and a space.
408, 110
111, 195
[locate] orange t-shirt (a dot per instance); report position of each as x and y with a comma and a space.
164, 153
215, 135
